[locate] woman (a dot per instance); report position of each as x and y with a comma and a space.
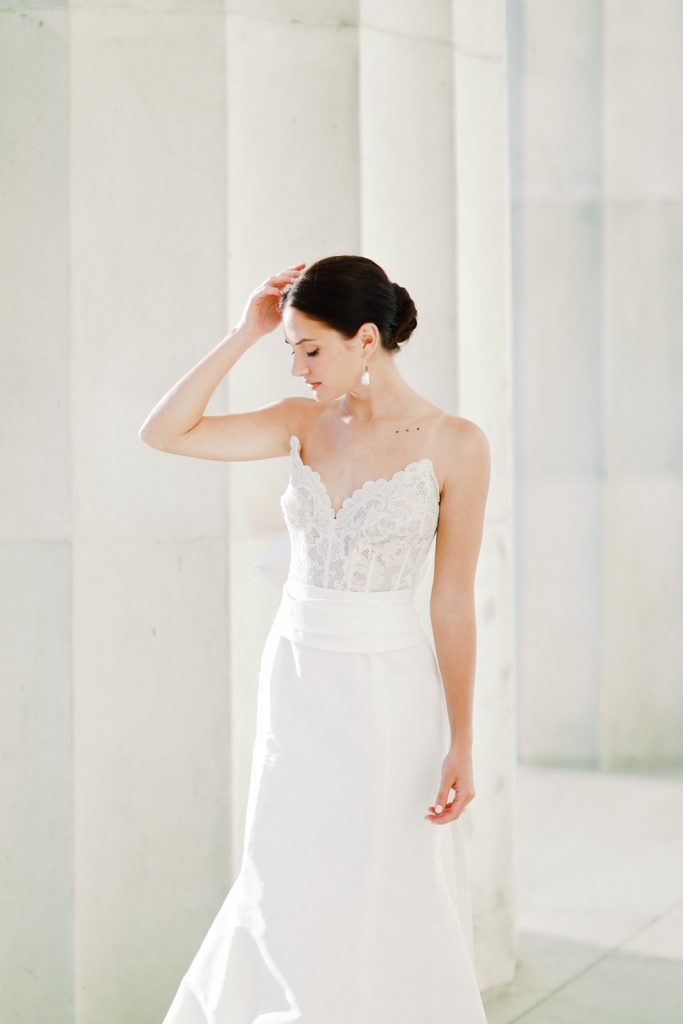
341, 913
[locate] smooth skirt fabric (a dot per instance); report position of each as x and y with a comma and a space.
345, 909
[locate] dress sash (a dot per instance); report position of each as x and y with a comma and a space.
348, 620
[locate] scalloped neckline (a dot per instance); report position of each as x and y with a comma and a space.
365, 486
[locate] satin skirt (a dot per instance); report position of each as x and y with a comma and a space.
348, 906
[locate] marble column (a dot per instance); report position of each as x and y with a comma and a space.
484, 393
597, 192
641, 663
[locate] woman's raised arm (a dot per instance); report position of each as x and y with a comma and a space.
177, 423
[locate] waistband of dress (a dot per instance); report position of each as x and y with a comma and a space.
348, 620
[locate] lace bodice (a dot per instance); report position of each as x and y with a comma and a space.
377, 540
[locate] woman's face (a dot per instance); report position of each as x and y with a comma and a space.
323, 356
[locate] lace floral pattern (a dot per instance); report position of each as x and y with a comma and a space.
378, 539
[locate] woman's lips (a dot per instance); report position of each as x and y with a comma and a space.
312, 383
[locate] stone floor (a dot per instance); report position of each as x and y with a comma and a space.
600, 900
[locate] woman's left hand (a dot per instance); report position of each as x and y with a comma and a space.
456, 773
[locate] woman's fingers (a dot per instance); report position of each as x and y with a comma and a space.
448, 811
456, 777
294, 269
438, 815
285, 275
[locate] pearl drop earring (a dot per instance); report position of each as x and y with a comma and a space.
365, 379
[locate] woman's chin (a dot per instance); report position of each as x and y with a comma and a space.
323, 395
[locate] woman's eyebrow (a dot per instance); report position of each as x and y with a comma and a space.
288, 342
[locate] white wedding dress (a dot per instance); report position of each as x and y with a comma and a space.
348, 907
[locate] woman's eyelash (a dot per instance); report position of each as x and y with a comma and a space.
313, 353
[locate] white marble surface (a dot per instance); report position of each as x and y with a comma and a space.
600, 900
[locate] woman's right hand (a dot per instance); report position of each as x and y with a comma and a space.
261, 314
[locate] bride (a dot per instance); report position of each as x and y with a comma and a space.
341, 912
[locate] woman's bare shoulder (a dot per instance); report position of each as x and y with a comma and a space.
459, 430
304, 413
459, 443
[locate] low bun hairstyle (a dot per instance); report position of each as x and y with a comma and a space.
343, 292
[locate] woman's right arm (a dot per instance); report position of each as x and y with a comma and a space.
177, 423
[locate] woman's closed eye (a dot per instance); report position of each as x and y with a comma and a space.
314, 353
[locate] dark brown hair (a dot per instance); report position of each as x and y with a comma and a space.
343, 292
